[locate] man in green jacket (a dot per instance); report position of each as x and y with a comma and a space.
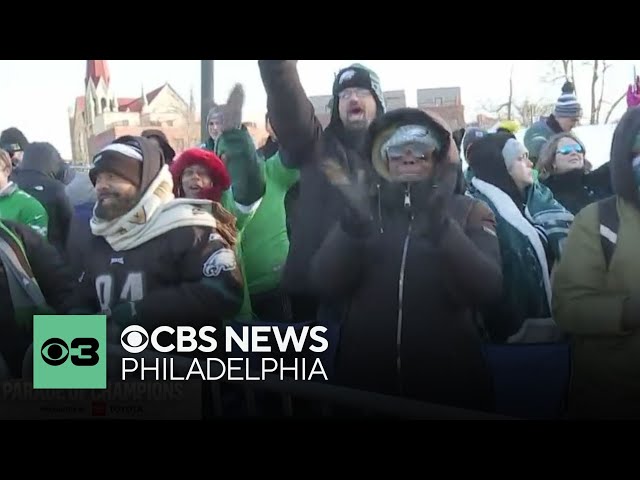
598, 302
566, 114
264, 239
18, 205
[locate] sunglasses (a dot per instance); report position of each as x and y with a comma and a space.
566, 150
418, 150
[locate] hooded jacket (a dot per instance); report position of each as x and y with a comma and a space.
188, 275
409, 328
167, 151
307, 144
82, 196
526, 252
538, 134
17, 205
53, 277
38, 175
594, 303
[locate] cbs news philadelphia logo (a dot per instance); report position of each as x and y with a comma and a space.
69, 351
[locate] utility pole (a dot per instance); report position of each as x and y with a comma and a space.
206, 95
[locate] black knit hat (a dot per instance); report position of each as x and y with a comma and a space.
120, 159
13, 140
357, 76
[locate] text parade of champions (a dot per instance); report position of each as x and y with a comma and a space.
250, 339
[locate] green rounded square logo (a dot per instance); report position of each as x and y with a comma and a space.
69, 351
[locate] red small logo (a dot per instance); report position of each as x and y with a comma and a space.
99, 409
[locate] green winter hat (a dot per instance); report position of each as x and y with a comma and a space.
357, 76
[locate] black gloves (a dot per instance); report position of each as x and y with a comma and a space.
357, 218
429, 202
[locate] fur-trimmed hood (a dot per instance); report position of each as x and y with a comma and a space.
383, 127
622, 178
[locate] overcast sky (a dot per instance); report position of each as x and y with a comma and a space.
35, 95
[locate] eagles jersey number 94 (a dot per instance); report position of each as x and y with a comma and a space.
187, 276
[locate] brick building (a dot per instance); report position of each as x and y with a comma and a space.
445, 102
99, 116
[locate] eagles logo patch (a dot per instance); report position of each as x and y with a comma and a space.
223, 260
348, 75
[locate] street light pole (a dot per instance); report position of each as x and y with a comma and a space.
206, 95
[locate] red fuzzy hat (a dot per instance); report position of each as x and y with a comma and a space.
216, 167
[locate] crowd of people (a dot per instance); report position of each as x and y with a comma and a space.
424, 274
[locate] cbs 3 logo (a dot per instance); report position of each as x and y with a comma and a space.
55, 352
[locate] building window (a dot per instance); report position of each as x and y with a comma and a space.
103, 104
438, 101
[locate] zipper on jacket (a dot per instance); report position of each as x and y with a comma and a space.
380, 210
403, 264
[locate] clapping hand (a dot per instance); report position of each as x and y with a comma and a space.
430, 200
357, 218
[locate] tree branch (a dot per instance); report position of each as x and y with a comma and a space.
594, 80
605, 67
613, 107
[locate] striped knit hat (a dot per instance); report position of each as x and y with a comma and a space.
567, 105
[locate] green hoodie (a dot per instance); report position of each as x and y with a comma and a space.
262, 184
19, 206
237, 150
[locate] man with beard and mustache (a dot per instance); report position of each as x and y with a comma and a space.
357, 100
155, 260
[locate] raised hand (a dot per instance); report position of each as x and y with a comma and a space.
633, 94
232, 110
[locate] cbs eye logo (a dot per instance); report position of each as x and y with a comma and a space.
55, 352
134, 339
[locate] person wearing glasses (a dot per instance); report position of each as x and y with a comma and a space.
357, 99
531, 227
567, 173
565, 117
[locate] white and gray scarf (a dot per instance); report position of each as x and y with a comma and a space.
157, 212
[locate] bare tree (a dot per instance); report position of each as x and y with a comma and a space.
561, 70
187, 115
510, 102
603, 70
598, 82
613, 107
529, 111
498, 110
594, 81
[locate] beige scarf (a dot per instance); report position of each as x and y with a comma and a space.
156, 213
